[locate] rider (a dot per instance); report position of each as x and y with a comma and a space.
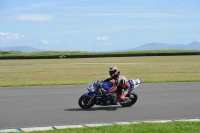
120, 82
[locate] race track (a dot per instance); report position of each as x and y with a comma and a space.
58, 105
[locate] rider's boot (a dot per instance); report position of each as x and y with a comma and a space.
122, 96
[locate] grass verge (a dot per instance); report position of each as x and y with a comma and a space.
169, 127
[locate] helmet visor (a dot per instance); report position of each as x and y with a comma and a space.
112, 73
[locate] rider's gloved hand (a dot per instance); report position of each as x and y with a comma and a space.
107, 92
101, 81
104, 91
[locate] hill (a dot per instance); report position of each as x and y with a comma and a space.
20, 49
163, 46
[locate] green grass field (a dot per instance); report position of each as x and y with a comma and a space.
82, 71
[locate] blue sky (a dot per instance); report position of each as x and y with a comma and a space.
97, 25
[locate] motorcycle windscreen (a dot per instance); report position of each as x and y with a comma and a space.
107, 85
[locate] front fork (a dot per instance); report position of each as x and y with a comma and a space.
90, 101
90, 96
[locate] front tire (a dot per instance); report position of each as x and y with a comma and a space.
133, 97
83, 101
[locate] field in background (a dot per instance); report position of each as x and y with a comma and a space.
83, 70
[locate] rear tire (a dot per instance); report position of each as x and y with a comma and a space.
83, 100
133, 97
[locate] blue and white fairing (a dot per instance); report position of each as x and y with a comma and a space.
92, 87
134, 83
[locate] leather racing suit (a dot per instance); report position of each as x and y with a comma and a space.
121, 83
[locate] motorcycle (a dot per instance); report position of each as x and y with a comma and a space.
96, 94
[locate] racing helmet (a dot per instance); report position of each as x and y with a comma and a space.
113, 70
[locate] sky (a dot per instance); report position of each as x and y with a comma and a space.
97, 25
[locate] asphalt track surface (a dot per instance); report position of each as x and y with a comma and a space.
22, 107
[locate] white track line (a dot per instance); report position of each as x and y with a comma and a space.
68, 126
36, 129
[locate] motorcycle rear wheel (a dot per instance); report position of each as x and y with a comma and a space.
83, 101
133, 97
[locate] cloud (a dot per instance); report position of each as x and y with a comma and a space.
44, 42
17, 39
108, 29
103, 38
33, 6
133, 15
9, 37
32, 17
51, 42
197, 38
105, 44
56, 42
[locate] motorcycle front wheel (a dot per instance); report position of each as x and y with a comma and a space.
133, 97
83, 102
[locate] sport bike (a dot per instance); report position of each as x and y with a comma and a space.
96, 94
